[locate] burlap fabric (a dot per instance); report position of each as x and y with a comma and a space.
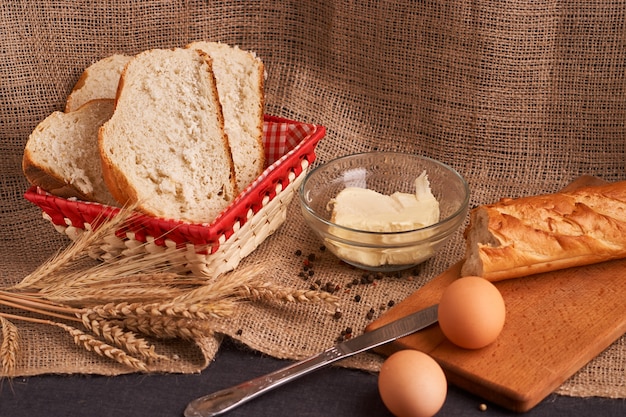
519, 96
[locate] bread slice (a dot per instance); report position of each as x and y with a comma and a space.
164, 148
61, 155
518, 237
99, 80
240, 77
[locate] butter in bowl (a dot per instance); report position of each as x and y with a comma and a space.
384, 211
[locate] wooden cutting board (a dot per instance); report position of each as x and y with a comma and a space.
556, 322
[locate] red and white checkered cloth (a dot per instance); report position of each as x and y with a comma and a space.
279, 137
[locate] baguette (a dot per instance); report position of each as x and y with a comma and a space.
61, 154
164, 148
518, 237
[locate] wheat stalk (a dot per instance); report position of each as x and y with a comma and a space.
10, 346
121, 300
77, 251
36, 305
145, 264
142, 287
63, 267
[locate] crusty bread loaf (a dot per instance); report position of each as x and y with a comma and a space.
61, 155
99, 80
240, 76
519, 237
164, 148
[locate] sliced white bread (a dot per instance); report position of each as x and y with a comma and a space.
61, 155
99, 80
164, 148
240, 79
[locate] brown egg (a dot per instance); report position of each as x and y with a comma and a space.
471, 312
412, 384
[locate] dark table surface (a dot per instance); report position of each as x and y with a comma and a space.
332, 391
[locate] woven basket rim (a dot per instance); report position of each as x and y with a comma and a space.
265, 188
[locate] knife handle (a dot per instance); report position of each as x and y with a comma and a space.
229, 398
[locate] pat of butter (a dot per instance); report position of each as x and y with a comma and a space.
367, 210
364, 209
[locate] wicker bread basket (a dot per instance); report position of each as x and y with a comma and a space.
205, 249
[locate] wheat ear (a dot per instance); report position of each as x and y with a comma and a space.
220, 308
117, 336
167, 327
9, 348
92, 344
259, 290
226, 286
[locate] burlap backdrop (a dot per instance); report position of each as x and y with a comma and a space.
519, 96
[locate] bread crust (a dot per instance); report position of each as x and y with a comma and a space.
119, 187
48, 180
80, 83
260, 137
114, 179
518, 237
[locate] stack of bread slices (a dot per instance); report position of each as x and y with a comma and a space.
178, 132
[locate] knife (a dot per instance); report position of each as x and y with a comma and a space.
225, 400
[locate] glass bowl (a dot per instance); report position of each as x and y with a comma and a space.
386, 173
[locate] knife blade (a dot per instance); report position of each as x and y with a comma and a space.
222, 401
